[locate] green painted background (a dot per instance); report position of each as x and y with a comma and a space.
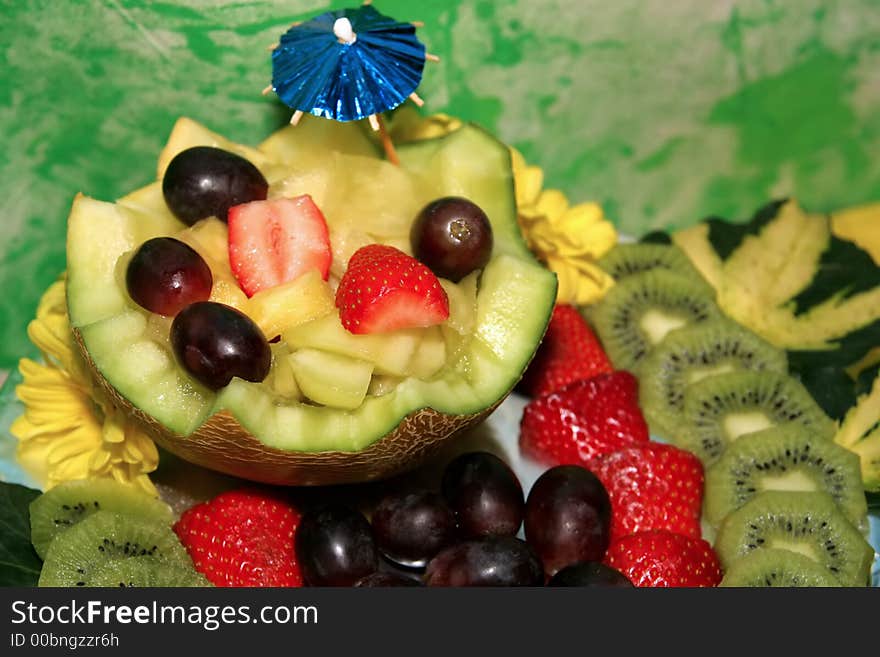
663, 110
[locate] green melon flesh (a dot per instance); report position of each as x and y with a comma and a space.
513, 302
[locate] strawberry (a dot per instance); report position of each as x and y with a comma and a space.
242, 538
383, 289
665, 559
275, 241
652, 486
583, 421
570, 351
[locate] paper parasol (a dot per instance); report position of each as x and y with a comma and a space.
347, 65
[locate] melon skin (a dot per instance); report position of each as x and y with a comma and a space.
222, 444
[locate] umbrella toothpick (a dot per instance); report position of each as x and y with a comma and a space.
297, 115
267, 90
417, 23
273, 47
374, 122
431, 58
414, 97
385, 138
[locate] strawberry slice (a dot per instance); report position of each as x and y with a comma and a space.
276, 241
242, 538
583, 421
383, 289
652, 486
570, 351
664, 559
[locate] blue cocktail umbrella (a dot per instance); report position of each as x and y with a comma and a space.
347, 65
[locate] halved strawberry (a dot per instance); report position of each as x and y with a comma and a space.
383, 289
664, 559
275, 241
652, 486
583, 421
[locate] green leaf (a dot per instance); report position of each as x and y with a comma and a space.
19, 564
726, 236
845, 270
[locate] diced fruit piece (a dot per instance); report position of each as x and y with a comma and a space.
568, 517
335, 546
430, 355
214, 343
569, 352
590, 574
164, 275
488, 561
665, 559
330, 379
60, 508
462, 298
384, 290
652, 486
281, 378
242, 538
391, 353
810, 524
227, 292
210, 237
204, 181
583, 421
73, 558
411, 527
485, 495
452, 236
277, 241
280, 308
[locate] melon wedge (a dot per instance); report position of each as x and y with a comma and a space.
247, 431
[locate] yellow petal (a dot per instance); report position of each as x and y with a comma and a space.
552, 204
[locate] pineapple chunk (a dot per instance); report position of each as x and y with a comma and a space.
331, 379
286, 306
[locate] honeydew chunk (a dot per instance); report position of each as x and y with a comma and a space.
391, 352
385, 210
100, 233
344, 242
187, 133
308, 142
430, 356
281, 379
462, 303
149, 203
330, 379
286, 306
315, 181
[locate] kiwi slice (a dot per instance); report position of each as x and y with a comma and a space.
626, 260
722, 408
75, 556
61, 507
810, 524
143, 572
769, 567
637, 313
788, 457
694, 353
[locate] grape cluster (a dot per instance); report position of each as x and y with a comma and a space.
468, 533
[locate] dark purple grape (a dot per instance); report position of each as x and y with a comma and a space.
165, 275
590, 573
568, 517
411, 527
214, 343
489, 561
452, 236
335, 546
387, 579
204, 181
485, 494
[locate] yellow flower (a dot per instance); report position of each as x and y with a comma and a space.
569, 239
71, 429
